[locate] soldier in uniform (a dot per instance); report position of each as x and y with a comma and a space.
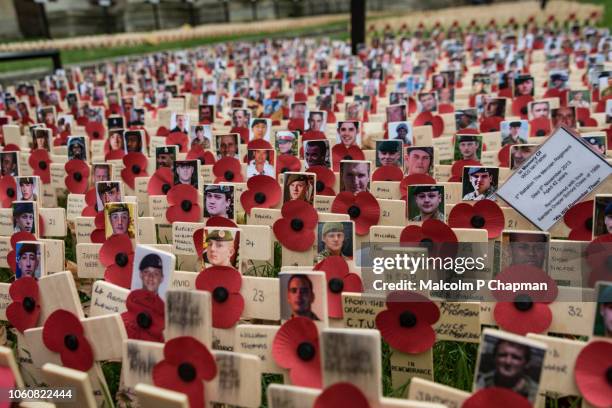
332, 237
27, 186
298, 187
483, 183
428, 200
165, 156
218, 201
468, 147
514, 136
151, 272
300, 296
219, 248
389, 153
27, 261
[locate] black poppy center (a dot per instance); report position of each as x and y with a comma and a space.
165, 188
523, 302
477, 221
144, 320
609, 263
407, 319
306, 351
297, 224
541, 132
260, 197
428, 123
426, 243
77, 176
10, 192
320, 186
347, 157
186, 372
136, 169
524, 110
186, 205
28, 304
336, 285
42, 165
121, 259
229, 175
354, 211
609, 375
220, 294
96, 135
588, 224
285, 169
71, 342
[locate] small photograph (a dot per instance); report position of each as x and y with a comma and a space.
480, 183
602, 326
201, 135
468, 147
28, 188
316, 121
397, 98
241, 118
494, 107
365, 100
564, 116
325, 102
481, 84
299, 86
165, 156
25, 217
419, 160
46, 116
152, 270
427, 102
41, 138
133, 140
355, 175
303, 295
186, 172
299, 186
396, 113
389, 153
438, 81
371, 87
219, 201
538, 109
348, 133
354, 111
335, 239
298, 110
446, 96
273, 109
206, 114
120, 218
76, 148
108, 192
179, 122
580, 99
101, 172
9, 165
597, 143
286, 142
221, 247
238, 103
115, 122
514, 132
525, 248
29, 259
522, 375
260, 128
557, 80
115, 140
137, 117
608, 111
64, 124
523, 85
261, 162
466, 119
316, 153
425, 202
520, 153
602, 219
227, 145
400, 131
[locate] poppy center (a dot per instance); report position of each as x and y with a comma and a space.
144, 320
297, 224
336, 285
354, 211
121, 259
229, 175
609, 375
523, 302
220, 294
165, 188
524, 110
609, 263
407, 319
186, 372
540, 132
306, 351
136, 169
588, 224
77, 176
42, 165
347, 157
285, 169
28, 304
71, 342
320, 186
428, 123
96, 135
477, 221
260, 197
426, 243
10, 192
186, 205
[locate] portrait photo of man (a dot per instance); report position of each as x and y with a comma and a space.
316, 121
389, 153
603, 315
29, 260
520, 153
41, 139
9, 164
523, 85
152, 270
227, 146
400, 131
299, 186
259, 129
316, 153
419, 160
120, 219
466, 119
334, 239
539, 109
480, 183
179, 122
133, 141
241, 118
299, 297
165, 156
200, 135
468, 147
514, 132
76, 148
206, 114
525, 248
596, 143
25, 216
27, 188
101, 172
107, 192
564, 116
425, 202
221, 247
186, 172
286, 142
298, 110
354, 176
219, 201
427, 102
261, 162
602, 221
396, 113
348, 133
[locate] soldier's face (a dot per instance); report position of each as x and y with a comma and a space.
333, 241
428, 202
481, 181
510, 360
217, 204
28, 262
299, 296
151, 278
220, 252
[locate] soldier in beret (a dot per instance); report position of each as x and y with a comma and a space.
151, 272
23, 217
468, 147
402, 133
219, 247
27, 185
119, 218
298, 187
418, 160
389, 153
428, 200
483, 184
514, 136
27, 261
218, 201
332, 236
164, 156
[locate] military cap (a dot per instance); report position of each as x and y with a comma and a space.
332, 227
467, 138
219, 235
401, 126
285, 137
558, 77
389, 146
608, 210
258, 121
515, 123
425, 189
165, 150
595, 141
474, 170
22, 208
296, 177
523, 78
28, 248
151, 261
468, 112
216, 188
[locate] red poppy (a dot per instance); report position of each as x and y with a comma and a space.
186, 365
262, 192
341, 394
406, 323
204, 156
457, 167
178, 139
579, 218
223, 283
144, 319
388, 173
484, 214
446, 108
217, 221
63, 333
228, 169
135, 166
98, 236
162, 131
504, 156
161, 181
519, 105
325, 180
287, 162
599, 257
435, 235
117, 255
296, 348
295, 230
313, 135
24, 311
427, 119
183, 204
339, 279
525, 311
95, 130
414, 179
341, 152
593, 373
539, 127
363, 208
259, 144
40, 162
8, 191
491, 124
77, 179
496, 397
296, 124
90, 209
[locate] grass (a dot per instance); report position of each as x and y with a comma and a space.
606, 20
